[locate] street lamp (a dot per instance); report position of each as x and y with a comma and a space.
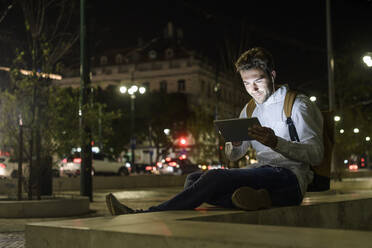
132, 91
367, 59
166, 131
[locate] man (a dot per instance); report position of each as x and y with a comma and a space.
281, 176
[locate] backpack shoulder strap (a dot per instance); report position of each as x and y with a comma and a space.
251, 105
288, 102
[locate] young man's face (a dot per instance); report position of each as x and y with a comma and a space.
258, 84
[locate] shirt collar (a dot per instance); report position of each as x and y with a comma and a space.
276, 97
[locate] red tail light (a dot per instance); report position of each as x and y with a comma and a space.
2, 165
64, 160
173, 164
148, 168
77, 160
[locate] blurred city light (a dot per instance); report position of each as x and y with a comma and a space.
183, 141
346, 161
367, 59
356, 130
368, 138
123, 89
342, 130
27, 72
134, 88
142, 90
337, 118
167, 131
313, 98
96, 149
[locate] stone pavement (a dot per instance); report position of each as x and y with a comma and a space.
12, 230
12, 239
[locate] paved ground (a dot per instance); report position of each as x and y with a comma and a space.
12, 230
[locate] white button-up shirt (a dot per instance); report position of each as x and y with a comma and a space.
295, 156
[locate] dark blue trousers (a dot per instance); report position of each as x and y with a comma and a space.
217, 186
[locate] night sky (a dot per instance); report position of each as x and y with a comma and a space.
294, 31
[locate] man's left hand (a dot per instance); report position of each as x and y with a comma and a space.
264, 135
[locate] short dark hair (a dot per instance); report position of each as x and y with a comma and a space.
258, 58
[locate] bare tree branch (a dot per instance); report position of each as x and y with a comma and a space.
10, 6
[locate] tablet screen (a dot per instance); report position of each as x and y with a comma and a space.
235, 129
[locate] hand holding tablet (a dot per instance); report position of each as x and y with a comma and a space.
233, 130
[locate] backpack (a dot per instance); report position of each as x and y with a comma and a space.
322, 172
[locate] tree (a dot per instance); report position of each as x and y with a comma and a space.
353, 98
48, 37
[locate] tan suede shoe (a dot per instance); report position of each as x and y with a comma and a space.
250, 199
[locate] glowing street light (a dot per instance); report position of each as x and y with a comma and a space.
132, 92
368, 138
142, 90
313, 98
356, 130
342, 130
123, 89
367, 59
337, 118
166, 131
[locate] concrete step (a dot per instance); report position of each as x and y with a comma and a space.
324, 220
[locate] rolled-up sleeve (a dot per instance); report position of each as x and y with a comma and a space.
234, 153
308, 121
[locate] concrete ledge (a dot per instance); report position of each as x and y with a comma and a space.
216, 228
56, 207
352, 214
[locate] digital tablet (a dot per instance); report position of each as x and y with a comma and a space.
235, 129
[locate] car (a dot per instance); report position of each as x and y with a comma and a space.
9, 167
176, 166
70, 166
353, 167
211, 166
101, 164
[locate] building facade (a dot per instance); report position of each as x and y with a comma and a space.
164, 64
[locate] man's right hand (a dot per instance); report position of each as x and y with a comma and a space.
237, 143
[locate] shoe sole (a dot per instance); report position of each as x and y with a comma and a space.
109, 204
250, 199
